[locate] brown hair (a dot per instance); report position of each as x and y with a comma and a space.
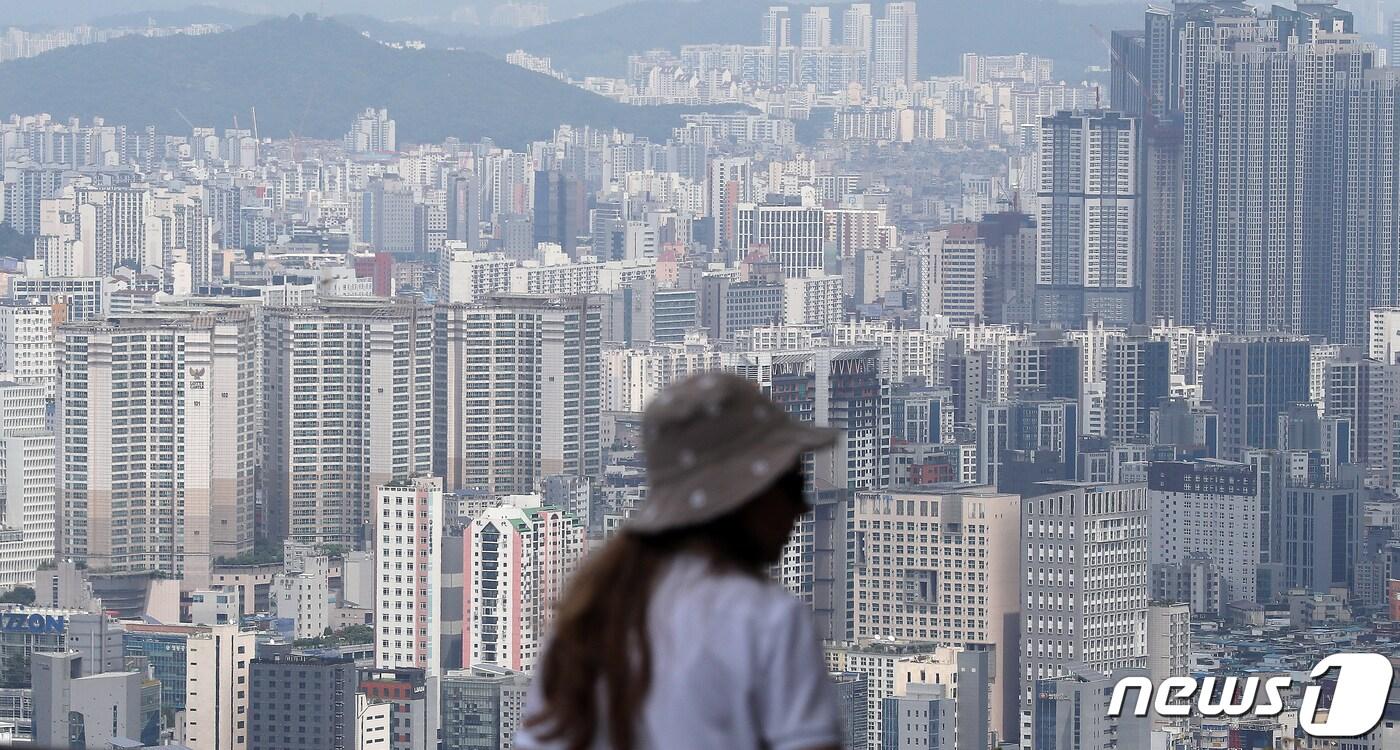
600, 650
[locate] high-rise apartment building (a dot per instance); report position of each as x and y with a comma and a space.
1288, 170
519, 555
857, 27
27, 332
954, 579
408, 520
372, 132
157, 418
953, 274
816, 28
1088, 254
895, 58
348, 405
519, 388
1084, 584
28, 483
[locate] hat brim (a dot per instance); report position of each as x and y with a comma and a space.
711, 491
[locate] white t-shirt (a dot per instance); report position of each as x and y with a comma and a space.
736, 664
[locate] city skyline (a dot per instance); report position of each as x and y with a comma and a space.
303, 435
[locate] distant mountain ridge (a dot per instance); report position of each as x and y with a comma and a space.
308, 76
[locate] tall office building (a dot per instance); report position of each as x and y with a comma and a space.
1205, 510
1366, 392
1084, 584
157, 427
519, 389
1138, 378
464, 209
793, 235
1251, 381
78, 708
348, 406
519, 555
1088, 254
408, 521
28, 483
1071, 711
1320, 540
387, 215
964, 591
302, 701
561, 210
482, 707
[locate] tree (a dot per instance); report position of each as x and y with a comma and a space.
18, 595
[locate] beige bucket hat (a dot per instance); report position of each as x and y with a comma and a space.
714, 442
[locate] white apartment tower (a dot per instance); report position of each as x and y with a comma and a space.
1084, 583
520, 388
27, 352
348, 405
519, 555
953, 275
1088, 200
371, 132
896, 42
28, 478
157, 428
408, 547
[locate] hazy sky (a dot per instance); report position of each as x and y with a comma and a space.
428, 11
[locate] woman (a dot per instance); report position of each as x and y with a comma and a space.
672, 636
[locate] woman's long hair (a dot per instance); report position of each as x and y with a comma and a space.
600, 649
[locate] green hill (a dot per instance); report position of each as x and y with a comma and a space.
310, 77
